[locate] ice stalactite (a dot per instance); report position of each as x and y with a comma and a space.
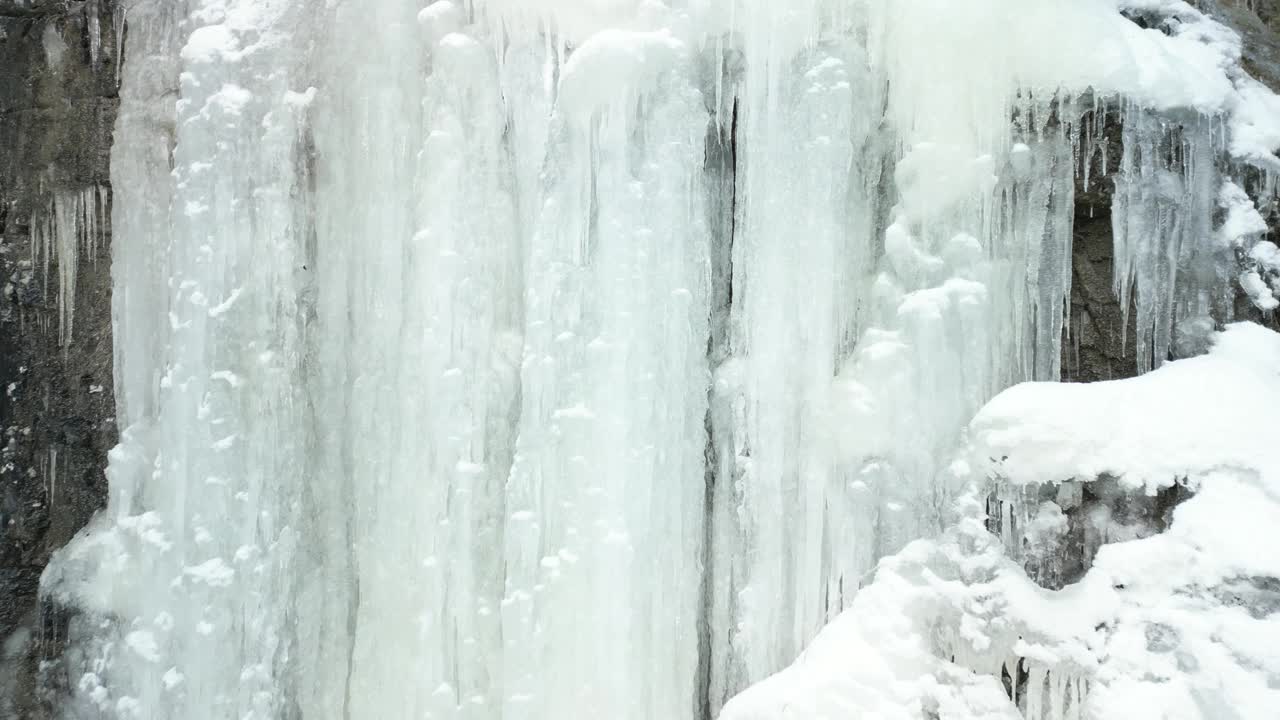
71, 227
1050, 694
1165, 195
94, 21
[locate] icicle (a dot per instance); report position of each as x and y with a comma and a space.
117, 26
94, 21
1087, 151
1161, 220
69, 226
53, 476
1057, 696
1037, 675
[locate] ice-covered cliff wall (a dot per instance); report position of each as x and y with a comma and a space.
531, 360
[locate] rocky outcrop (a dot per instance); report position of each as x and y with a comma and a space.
58, 69
1258, 22
1098, 342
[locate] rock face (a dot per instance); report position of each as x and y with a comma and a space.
58, 97
1097, 344
57, 106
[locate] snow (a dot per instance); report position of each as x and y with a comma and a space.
1255, 132
1267, 255
613, 65
441, 18
211, 43
231, 99
143, 643
214, 572
1174, 625
556, 358
1258, 291
1243, 228
1243, 221
1174, 422
300, 100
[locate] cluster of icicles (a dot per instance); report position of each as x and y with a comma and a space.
474, 361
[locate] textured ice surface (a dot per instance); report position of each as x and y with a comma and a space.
552, 359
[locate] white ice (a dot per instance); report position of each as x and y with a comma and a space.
531, 360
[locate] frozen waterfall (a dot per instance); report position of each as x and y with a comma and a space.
545, 359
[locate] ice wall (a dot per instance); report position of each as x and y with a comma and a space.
557, 359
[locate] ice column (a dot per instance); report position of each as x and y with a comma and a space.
806, 181
901, 253
605, 501
417, 348
187, 575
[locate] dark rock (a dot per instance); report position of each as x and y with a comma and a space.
57, 108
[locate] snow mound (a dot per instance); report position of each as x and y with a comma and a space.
1176, 625
1184, 419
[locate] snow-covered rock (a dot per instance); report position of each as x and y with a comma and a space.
1178, 624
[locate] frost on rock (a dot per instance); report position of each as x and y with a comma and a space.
540, 359
1178, 623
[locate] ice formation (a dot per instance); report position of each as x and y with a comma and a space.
70, 226
539, 359
1172, 625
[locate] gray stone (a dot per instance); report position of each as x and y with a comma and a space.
57, 107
